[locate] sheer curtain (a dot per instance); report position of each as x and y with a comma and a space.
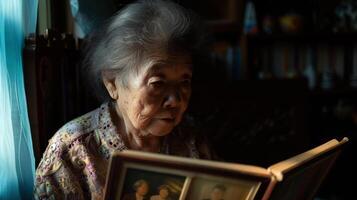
17, 162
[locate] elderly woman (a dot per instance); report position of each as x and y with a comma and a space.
142, 60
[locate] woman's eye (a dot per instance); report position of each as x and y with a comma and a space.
157, 84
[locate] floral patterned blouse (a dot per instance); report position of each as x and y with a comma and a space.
74, 165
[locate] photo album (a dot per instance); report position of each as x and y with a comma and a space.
156, 176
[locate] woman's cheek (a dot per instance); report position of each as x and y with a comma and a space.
150, 103
144, 115
148, 110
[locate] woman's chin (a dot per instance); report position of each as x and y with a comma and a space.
161, 132
161, 128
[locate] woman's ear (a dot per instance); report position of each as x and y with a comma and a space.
109, 83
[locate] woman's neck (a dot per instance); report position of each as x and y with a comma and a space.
143, 143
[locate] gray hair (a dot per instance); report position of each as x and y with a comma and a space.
136, 35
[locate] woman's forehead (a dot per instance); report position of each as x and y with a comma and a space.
162, 69
167, 58
164, 65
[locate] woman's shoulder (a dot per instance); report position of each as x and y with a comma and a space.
62, 139
81, 125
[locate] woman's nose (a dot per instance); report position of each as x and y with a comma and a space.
173, 99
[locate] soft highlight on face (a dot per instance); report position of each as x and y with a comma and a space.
156, 97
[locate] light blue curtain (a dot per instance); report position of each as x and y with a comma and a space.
17, 162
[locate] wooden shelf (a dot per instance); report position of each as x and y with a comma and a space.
338, 38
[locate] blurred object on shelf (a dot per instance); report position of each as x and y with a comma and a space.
250, 19
353, 76
353, 80
268, 24
291, 23
346, 16
328, 79
310, 70
265, 75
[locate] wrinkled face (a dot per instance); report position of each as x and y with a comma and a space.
164, 193
217, 194
143, 189
156, 97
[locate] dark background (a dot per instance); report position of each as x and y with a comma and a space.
249, 112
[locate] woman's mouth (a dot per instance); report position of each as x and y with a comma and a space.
168, 120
